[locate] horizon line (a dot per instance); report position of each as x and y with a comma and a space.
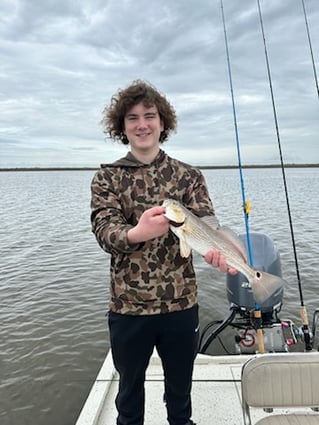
203, 167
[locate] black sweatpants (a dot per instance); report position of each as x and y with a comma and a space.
133, 338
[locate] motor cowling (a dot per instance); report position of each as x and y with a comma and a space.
266, 257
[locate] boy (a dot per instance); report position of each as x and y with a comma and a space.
153, 289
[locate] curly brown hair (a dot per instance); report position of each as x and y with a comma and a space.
137, 92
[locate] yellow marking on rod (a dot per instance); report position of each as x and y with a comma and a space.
247, 207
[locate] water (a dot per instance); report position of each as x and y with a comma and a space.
54, 278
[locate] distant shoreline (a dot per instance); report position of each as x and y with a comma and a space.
203, 167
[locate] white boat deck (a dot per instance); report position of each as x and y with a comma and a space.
216, 393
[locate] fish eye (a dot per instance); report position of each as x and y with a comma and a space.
258, 275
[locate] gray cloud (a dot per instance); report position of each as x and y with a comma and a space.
61, 61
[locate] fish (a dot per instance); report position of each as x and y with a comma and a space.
203, 234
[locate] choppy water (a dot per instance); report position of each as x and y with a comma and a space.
54, 278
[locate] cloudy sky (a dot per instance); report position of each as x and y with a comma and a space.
62, 60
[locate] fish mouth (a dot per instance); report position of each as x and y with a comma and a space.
175, 223
173, 215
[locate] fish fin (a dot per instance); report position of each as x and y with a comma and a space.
211, 221
185, 249
233, 238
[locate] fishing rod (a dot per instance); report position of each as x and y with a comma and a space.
246, 204
303, 311
310, 47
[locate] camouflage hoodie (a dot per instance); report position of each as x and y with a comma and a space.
152, 277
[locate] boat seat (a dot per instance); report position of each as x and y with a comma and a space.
287, 381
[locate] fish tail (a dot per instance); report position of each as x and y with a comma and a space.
265, 285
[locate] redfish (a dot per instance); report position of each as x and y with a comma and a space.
194, 233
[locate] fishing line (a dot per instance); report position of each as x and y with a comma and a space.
304, 316
310, 47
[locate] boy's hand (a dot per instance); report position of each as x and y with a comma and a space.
152, 224
216, 259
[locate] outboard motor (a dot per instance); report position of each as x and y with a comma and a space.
278, 335
266, 257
